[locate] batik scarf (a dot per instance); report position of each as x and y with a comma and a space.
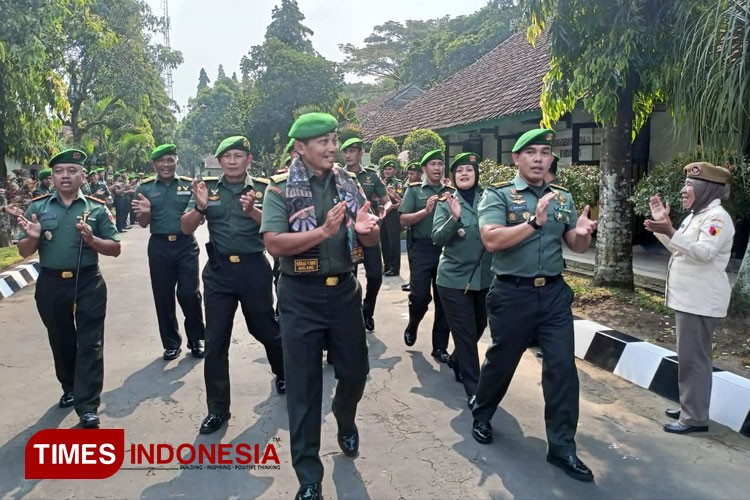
301, 209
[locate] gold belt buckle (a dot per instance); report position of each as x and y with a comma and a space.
234, 259
541, 281
172, 237
332, 281
66, 274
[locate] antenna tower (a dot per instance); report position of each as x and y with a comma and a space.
165, 32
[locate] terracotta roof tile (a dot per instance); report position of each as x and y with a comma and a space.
504, 82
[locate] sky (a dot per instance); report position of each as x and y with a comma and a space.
209, 33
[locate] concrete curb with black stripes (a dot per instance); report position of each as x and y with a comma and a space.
18, 277
655, 368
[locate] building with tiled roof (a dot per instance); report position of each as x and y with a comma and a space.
486, 106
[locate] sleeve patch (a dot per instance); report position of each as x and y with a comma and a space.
714, 230
274, 189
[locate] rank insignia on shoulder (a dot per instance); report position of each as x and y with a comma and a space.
560, 187
41, 196
147, 180
280, 177
185, 178
418, 183
96, 199
501, 184
262, 180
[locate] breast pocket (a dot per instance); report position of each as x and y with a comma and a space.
48, 224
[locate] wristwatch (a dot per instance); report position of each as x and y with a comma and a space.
202, 212
533, 223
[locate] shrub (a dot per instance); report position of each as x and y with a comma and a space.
421, 142
666, 181
382, 146
583, 183
491, 172
347, 132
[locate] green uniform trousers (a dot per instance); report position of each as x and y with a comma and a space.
77, 343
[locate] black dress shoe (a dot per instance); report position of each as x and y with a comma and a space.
280, 385
482, 431
349, 443
410, 338
572, 466
370, 324
680, 428
89, 420
406, 287
197, 350
441, 355
213, 422
390, 273
67, 400
309, 492
472, 401
453, 364
170, 354
672, 413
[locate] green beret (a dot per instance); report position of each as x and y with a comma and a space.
354, 141
289, 146
164, 149
707, 172
68, 156
414, 166
44, 173
234, 142
435, 154
535, 136
553, 167
121, 171
84, 171
392, 163
467, 158
312, 125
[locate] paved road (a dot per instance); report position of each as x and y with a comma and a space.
414, 423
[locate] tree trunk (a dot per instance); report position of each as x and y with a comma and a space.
614, 242
740, 303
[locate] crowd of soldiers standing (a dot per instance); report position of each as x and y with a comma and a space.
482, 256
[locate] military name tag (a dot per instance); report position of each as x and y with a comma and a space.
48, 216
213, 203
183, 193
306, 265
520, 206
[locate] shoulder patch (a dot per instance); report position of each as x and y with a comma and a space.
352, 174
210, 178
96, 199
559, 187
148, 179
501, 184
262, 180
449, 187
280, 177
186, 178
418, 183
41, 196
371, 169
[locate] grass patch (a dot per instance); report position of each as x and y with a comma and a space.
585, 291
9, 256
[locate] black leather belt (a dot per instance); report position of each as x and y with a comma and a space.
170, 237
68, 273
236, 258
535, 282
330, 280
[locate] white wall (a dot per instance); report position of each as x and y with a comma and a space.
665, 145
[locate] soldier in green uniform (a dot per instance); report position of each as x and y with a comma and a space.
99, 189
376, 193
413, 176
85, 187
237, 271
390, 228
417, 214
523, 222
121, 207
172, 255
71, 295
464, 274
45, 183
132, 187
316, 219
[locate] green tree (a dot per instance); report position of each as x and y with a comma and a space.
381, 147
203, 79
220, 73
611, 57
420, 142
